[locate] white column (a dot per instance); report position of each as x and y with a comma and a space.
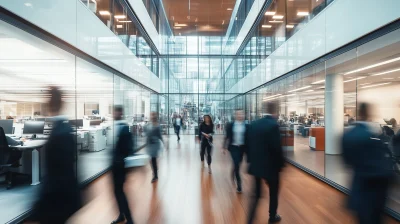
333, 113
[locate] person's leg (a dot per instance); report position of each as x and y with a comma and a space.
209, 151
202, 151
154, 167
119, 179
254, 201
273, 184
178, 129
235, 154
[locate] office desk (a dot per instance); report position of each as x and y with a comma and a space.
33, 145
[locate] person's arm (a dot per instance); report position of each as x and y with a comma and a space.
126, 140
13, 142
276, 146
227, 137
159, 134
200, 131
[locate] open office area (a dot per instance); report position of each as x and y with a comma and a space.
90, 93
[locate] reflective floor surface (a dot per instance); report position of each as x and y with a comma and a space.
187, 193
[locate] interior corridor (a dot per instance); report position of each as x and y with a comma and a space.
187, 193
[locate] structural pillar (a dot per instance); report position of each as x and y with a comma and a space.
334, 121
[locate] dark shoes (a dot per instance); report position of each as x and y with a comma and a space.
239, 190
120, 219
154, 179
275, 219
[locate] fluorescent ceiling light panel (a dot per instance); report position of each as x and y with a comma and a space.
294, 90
381, 84
267, 97
289, 26
386, 72
104, 13
373, 66
277, 17
266, 26
125, 21
32, 60
120, 16
177, 27
317, 82
276, 21
269, 13
119, 26
303, 13
388, 78
310, 90
350, 80
229, 9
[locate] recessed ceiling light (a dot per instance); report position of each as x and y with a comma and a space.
373, 66
104, 13
303, 13
119, 26
120, 16
229, 9
289, 26
266, 26
125, 21
386, 72
277, 17
177, 27
223, 22
276, 21
180, 24
317, 82
269, 13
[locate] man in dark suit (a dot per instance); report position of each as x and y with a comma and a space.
123, 147
60, 195
366, 154
266, 159
236, 143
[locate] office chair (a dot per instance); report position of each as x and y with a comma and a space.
8, 159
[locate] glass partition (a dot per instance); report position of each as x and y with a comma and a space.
319, 103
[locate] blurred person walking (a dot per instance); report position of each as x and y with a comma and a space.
122, 148
266, 160
60, 195
366, 155
236, 143
154, 143
206, 130
177, 121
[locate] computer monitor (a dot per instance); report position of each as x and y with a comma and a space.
77, 123
33, 127
7, 126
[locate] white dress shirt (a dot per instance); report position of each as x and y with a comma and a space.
239, 129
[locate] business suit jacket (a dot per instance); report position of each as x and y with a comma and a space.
60, 195
365, 153
229, 136
265, 154
124, 144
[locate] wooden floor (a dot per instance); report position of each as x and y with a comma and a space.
186, 193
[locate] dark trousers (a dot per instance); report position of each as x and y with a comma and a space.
205, 148
237, 157
119, 179
177, 130
154, 166
374, 192
273, 184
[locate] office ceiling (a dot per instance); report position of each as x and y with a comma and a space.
201, 17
